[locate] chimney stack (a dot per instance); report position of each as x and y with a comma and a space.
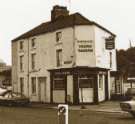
58, 11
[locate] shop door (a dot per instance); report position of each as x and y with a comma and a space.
86, 90
42, 89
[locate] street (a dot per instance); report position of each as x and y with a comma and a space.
31, 115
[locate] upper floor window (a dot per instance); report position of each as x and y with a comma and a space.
33, 59
33, 43
21, 63
21, 45
58, 36
59, 57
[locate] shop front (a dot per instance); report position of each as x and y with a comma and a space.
79, 85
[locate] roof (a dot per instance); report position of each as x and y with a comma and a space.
60, 23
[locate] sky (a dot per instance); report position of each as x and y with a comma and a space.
19, 16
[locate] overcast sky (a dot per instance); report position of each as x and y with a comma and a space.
19, 16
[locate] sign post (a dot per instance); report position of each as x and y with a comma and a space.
62, 114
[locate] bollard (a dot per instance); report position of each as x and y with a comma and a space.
62, 114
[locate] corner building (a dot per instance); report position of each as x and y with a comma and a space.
65, 60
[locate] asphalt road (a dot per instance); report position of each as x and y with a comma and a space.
18, 115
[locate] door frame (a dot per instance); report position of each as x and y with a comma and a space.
41, 80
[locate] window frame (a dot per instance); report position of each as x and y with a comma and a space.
90, 85
33, 85
33, 61
33, 42
55, 84
58, 36
22, 63
21, 45
59, 57
22, 85
100, 85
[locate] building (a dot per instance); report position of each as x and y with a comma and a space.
65, 60
5, 74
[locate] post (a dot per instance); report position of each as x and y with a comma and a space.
62, 114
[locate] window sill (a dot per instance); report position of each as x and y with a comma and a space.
33, 48
58, 43
33, 94
21, 51
22, 71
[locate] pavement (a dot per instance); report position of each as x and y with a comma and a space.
108, 106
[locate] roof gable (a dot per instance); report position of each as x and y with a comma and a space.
59, 23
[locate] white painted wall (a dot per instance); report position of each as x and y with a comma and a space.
85, 32
87, 94
70, 87
59, 96
101, 91
102, 55
45, 51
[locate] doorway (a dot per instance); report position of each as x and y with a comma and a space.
42, 89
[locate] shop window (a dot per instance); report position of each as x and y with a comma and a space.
59, 57
86, 83
100, 81
33, 85
58, 36
22, 85
59, 84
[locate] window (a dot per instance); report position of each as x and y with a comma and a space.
21, 45
33, 58
22, 85
59, 57
21, 63
59, 84
100, 81
86, 83
33, 44
58, 36
33, 85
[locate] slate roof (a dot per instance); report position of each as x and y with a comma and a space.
60, 23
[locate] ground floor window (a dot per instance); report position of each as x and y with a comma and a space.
59, 84
22, 85
33, 85
100, 81
86, 82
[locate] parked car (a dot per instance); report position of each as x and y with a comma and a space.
130, 92
13, 99
129, 106
3, 90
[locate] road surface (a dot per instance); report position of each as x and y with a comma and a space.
20, 115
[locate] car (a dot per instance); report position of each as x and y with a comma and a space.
13, 99
3, 90
129, 106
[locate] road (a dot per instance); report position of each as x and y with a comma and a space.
18, 115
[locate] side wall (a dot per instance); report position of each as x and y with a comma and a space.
14, 66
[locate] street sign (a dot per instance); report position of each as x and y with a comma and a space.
62, 114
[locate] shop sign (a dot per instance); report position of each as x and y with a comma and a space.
85, 46
67, 62
110, 44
